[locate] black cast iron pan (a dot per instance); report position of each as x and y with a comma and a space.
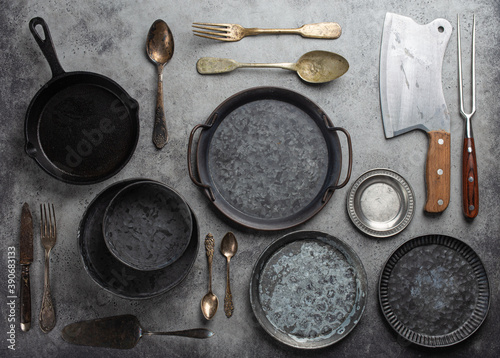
81, 127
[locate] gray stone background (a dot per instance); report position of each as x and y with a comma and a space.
108, 37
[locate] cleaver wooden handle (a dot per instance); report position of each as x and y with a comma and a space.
469, 179
437, 172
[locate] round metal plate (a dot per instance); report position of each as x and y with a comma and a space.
308, 289
381, 203
434, 291
269, 156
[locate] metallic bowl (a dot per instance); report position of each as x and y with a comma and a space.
381, 203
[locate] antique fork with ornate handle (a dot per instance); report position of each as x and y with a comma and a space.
48, 234
234, 32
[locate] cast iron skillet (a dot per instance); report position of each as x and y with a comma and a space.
81, 127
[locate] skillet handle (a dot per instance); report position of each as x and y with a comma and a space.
190, 168
329, 191
46, 45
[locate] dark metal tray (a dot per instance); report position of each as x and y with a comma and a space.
116, 277
308, 289
434, 291
268, 158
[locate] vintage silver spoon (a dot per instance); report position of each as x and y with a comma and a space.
312, 67
228, 248
209, 302
160, 49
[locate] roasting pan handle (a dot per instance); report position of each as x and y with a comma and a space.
46, 45
208, 188
329, 191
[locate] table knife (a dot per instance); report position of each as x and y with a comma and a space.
26, 258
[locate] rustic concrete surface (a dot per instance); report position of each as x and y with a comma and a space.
108, 37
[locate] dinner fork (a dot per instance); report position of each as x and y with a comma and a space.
234, 32
48, 234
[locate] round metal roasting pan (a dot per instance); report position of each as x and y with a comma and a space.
268, 158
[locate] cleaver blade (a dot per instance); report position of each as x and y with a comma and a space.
411, 95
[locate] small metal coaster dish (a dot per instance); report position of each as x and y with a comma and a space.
381, 203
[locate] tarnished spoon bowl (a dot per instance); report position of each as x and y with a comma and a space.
321, 66
209, 305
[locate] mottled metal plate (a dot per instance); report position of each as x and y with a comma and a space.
308, 289
113, 275
147, 226
269, 158
434, 291
381, 203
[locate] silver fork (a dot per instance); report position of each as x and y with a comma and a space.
48, 234
235, 32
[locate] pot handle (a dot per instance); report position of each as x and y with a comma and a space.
46, 45
329, 191
208, 188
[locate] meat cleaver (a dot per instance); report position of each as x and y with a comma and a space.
411, 95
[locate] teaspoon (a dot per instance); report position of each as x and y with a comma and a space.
209, 302
228, 248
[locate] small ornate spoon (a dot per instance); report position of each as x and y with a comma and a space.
228, 248
209, 302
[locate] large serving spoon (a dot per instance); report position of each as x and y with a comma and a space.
122, 332
160, 49
209, 302
228, 248
312, 67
